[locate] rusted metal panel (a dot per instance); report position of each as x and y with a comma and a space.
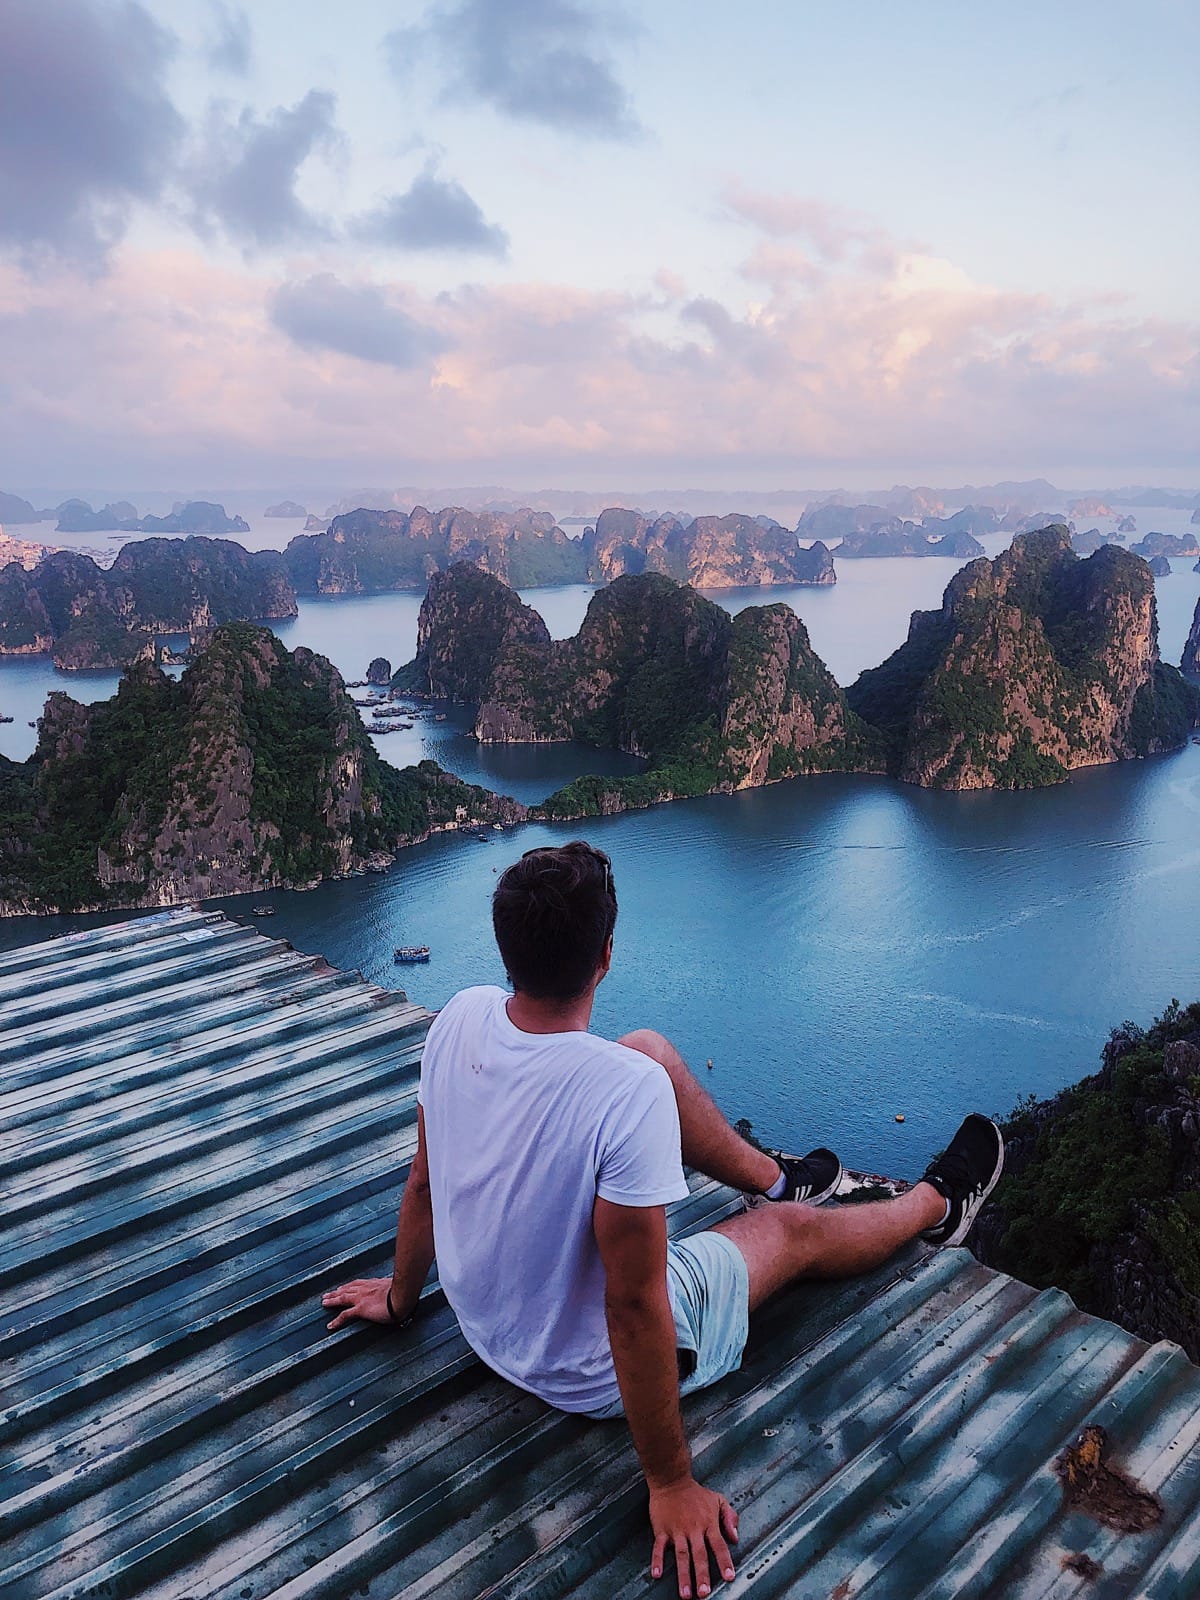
201, 1129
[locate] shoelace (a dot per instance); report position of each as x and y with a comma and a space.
954, 1171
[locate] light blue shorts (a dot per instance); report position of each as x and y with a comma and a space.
709, 1288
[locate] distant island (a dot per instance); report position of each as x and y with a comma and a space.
908, 539
16, 510
1101, 1189
708, 552
1037, 663
373, 552
877, 530
88, 617
1166, 544
192, 516
252, 771
77, 516
366, 552
286, 508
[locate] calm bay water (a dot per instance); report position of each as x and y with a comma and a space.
842, 949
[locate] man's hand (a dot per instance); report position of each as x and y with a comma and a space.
691, 1520
364, 1300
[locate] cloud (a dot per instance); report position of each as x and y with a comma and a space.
323, 313
243, 177
206, 377
533, 60
86, 125
231, 49
830, 231
433, 214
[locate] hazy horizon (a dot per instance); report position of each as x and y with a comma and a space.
317, 496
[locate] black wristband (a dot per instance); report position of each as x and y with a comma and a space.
392, 1314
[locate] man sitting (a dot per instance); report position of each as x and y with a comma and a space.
545, 1160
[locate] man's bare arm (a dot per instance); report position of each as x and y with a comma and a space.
366, 1299
685, 1516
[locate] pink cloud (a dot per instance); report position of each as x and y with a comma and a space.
170, 366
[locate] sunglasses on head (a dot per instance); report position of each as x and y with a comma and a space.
597, 856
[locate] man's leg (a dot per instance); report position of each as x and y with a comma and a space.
710, 1144
784, 1242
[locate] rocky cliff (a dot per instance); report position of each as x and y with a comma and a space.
1101, 1190
1190, 662
365, 552
711, 702
252, 771
1037, 663
92, 618
709, 553
466, 619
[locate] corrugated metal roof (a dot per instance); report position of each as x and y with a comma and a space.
202, 1129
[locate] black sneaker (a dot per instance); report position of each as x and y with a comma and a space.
811, 1179
965, 1174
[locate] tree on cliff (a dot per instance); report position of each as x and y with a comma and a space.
1101, 1192
252, 771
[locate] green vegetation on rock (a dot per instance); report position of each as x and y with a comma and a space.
93, 618
252, 771
1037, 663
1100, 1193
711, 702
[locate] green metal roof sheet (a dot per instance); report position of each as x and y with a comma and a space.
201, 1129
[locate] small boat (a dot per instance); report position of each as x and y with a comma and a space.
262, 911
408, 954
5, 719
441, 717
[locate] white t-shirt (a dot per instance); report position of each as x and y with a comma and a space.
523, 1131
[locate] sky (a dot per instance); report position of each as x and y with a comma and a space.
551, 242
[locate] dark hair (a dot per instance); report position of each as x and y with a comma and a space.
553, 912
